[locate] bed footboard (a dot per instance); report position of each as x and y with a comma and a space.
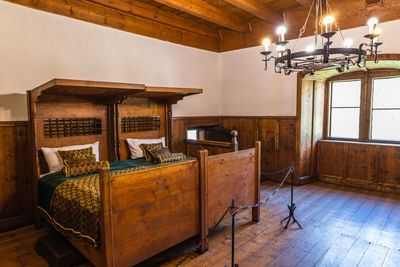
148, 211
224, 177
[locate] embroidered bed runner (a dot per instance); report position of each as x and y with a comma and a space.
73, 204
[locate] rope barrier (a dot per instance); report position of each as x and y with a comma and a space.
233, 209
291, 169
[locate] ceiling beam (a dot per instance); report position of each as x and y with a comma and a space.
208, 12
95, 13
259, 9
153, 13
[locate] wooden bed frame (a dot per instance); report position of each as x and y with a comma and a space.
144, 212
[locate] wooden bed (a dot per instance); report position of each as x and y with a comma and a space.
144, 212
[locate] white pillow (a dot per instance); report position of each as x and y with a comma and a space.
54, 161
134, 145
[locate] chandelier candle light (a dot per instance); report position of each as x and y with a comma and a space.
326, 58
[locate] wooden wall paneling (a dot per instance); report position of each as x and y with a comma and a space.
362, 165
179, 127
287, 142
276, 133
268, 129
15, 173
305, 99
318, 123
332, 159
309, 128
248, 132
389, 165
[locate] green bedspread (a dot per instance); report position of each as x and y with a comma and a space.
72, 204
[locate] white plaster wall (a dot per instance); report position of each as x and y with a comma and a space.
246, 89
36, 47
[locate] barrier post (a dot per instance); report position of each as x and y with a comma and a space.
292, 206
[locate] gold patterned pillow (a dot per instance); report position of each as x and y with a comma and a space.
76, 168
148, 147
157, 152
77, 154
163, 156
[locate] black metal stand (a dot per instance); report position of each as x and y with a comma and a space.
292, 206
233, 213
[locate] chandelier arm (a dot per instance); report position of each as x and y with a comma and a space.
320, 52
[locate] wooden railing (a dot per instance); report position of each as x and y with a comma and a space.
213, 147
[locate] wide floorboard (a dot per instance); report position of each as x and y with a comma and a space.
341, 227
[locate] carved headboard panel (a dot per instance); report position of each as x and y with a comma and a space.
140, 118
60, 124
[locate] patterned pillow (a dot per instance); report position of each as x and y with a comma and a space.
157, 152
76, 154
74, 168
147, 147
163, 156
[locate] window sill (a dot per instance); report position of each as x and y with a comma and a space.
369, 142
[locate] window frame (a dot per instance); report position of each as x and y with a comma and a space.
365, 126
193, 129
330, 108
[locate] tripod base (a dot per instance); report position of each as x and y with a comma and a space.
291, 208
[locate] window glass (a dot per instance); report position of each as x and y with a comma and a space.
386, 109
192, 134
345, 109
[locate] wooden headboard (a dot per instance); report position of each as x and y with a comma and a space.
66, 122
141, 118
72, 112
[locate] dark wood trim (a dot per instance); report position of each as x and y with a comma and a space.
202, 156
169, 124
13, 123
255, 213
106, 215
307, 179
347, 141
355, 183
208, 143
230, 117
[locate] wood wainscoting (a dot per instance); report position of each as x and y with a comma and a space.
276, 133
15, 172
359, 164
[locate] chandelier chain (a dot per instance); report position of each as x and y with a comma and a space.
303, 29
336, 24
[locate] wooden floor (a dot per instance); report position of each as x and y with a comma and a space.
342, 227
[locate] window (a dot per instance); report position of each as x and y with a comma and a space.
192, 134
345, 109
363, 106
386, 109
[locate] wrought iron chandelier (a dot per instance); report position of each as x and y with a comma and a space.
326, 57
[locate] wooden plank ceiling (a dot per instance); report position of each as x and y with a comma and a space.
214, 25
